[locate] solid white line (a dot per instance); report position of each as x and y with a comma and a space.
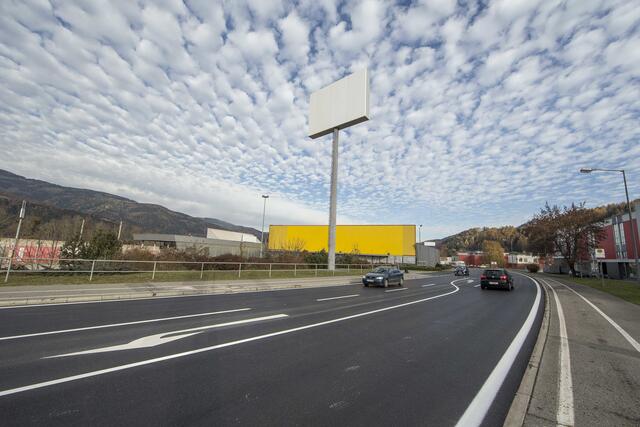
430, 284
619, 328
477, 410
565, 412
343, 296
115, 325
164, 337
214, 347
396, 290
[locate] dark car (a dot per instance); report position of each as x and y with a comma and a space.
496, 278
383, 276
461, 271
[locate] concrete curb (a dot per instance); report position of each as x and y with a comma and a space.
520, 404
221, 290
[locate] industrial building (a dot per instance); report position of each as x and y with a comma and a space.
426, 254
380, 243
227, 242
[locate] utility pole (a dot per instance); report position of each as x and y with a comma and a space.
15, 242
119, 230
264, 209
420, 233
81, 228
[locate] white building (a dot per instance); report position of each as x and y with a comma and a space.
214, 233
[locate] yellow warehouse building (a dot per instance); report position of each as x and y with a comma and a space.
378, 240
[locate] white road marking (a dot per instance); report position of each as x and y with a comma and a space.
430, 284
343, 296
115, 325
165, 337
619, 328
565, 412
469, 281
214, 347
477, 285
396, 290
477, 410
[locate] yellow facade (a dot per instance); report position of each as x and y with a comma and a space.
363, 239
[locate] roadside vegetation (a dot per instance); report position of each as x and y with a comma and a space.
624, 289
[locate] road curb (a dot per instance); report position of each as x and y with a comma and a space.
220, 290
520, 404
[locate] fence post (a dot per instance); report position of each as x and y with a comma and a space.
348, 268
93, 265
153, 275
295, 270
316, 270
269, 270
239, 269
201, 271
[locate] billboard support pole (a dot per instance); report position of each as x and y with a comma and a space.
333, 201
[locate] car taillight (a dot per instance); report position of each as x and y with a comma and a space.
503, 277
483, 277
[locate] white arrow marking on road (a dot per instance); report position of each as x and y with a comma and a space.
165, 337
114, 325
342, 296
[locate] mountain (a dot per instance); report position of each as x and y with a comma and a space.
513, 239
103, 208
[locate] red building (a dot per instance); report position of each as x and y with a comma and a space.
619, 260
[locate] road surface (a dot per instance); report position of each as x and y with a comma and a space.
343, 355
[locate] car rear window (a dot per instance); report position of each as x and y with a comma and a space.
493, 272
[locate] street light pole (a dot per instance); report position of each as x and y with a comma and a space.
15, 242
420, 233
264, 209
633, 230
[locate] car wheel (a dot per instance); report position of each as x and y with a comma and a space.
385, 283
483, 287
366, 285
401, 282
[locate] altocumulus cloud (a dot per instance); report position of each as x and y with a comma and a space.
480, 112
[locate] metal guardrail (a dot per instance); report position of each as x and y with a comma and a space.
123, 266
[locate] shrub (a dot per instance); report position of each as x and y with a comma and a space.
533, 268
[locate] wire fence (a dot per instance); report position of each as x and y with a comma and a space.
162, 270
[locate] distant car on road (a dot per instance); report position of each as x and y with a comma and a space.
383, 276
461, 271
496, 278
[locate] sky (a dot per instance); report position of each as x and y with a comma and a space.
480, 111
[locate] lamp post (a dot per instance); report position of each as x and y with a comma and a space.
420, 233
633, 231
264, 209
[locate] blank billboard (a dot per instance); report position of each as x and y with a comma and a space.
341, 104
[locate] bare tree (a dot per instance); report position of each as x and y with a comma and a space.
572, 232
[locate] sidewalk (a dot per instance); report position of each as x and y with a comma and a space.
55, 294
589, 373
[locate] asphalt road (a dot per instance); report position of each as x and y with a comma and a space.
371, 356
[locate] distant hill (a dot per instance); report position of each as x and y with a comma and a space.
65, 203
512, 239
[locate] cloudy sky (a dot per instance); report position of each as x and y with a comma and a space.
479, 112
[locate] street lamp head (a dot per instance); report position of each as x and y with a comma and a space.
586, 170
265, 196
